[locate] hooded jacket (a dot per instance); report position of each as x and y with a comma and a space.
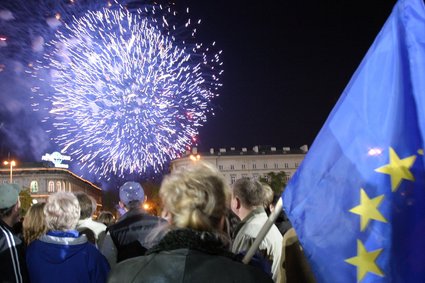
65, 257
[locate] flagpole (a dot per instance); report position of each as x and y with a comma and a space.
263, 232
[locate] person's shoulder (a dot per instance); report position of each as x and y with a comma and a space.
127, 270
251, 228
97, 225
35, 247
5, 230
274, 231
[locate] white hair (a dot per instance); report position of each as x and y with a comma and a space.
62, 211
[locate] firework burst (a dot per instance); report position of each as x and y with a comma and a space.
129, 91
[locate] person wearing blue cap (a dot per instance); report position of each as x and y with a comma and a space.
12, 258
195, 245
128, 237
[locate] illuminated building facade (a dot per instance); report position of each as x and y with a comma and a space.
41, 179
255, 163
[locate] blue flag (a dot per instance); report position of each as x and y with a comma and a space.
357, 201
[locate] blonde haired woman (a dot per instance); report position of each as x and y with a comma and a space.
34, 224
62, 255
194, 249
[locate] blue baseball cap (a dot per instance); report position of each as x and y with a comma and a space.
131, 191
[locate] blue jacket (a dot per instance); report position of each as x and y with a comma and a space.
65, 257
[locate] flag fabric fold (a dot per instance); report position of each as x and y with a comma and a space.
357, 201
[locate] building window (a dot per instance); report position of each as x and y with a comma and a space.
255, 177
34, 186
265, 166
51, 187
276, 166
58, 186
232, 167
244, 175
297, 164
243, 166
232, 178
220, 167
286, 165
254, 166
4, 181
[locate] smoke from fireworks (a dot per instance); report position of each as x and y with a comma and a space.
129, 92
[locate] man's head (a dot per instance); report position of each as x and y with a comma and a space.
246, 196
132, 195
9, 203
87, 205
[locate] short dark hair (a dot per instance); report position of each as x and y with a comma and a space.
134, 204
87, 205
250, 192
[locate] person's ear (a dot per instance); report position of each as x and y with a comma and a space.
16, 207
238, 203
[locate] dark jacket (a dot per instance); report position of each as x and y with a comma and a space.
130, 233
12, 258
282, 223
187, 256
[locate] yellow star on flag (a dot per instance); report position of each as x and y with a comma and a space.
368, 209
365, 261
398, 169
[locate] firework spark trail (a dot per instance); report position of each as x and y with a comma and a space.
128, 94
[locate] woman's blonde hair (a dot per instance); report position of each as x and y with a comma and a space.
62, 211
196, 197
34, 224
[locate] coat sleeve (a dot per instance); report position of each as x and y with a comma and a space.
109, 250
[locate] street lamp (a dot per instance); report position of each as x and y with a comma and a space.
11, 163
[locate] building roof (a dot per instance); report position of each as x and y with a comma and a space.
43, 167
256, 150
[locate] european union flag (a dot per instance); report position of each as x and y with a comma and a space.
357, 201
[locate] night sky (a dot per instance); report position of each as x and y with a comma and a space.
285, 65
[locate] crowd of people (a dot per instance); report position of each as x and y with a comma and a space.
205, 229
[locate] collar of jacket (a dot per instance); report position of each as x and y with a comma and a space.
203, 241
255, 211
2, 223
70, 237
